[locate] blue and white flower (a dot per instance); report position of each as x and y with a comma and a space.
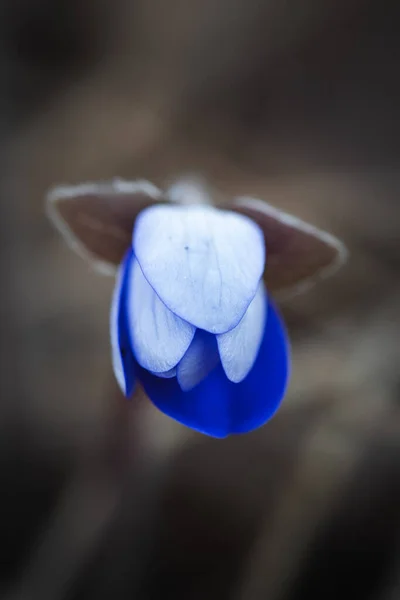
192, 322
191, 318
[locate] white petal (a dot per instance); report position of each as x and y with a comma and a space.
159, 338
115, 350
167, 374
122, 356
239, 347
188, 191
205, 264
200, 359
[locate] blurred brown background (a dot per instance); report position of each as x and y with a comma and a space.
293, 102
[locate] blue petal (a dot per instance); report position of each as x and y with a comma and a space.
239, 347
204, 408
122, 356
205, 264
159, 338
219, 407
255, 400
200, 359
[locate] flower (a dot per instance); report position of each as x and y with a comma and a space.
191, 318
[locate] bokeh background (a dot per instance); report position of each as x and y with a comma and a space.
294, 102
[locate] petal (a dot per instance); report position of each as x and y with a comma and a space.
200, 359
299, 254
122, 356
159, 338
188, 191
97, 219
258, 396
218, 407
239, 347
167, 374
204, 408
205, 264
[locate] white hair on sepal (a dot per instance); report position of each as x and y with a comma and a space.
291, 222
115, 186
